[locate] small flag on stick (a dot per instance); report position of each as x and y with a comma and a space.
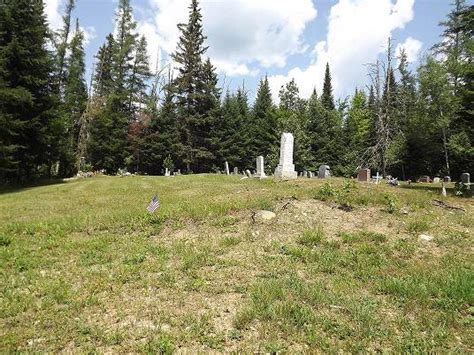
154, 205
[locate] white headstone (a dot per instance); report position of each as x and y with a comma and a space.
260, 168
167, 172
248, 173
236, 171
324, 172
286, 169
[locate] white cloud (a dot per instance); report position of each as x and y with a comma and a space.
52, 10
241, 33
357, 34
412, 49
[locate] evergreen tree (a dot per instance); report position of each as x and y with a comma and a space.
62, 46
194, 93
327, 98
75, 100
263, 131
103, 81
139, 77
29, 127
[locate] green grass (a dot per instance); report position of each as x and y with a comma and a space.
85, 268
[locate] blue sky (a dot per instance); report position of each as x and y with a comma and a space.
281, 38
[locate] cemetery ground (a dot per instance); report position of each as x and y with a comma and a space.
342, 265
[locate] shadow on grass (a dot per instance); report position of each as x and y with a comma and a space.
10, 189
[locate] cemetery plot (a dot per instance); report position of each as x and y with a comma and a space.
235, 265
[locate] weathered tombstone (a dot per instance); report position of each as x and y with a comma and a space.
436, 180
260, 168
167, 172
378, 178
311, 175
425, 178
466, 178
248, 173
324, 172
227, 168
286, 169
236, 171
447, 179
363, 175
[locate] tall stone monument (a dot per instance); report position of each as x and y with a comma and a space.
260, 168
286, 169
227, 172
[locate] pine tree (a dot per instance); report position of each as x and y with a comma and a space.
28, 132
75, 94
327, 98
62, 45
194, 89
263, 131
139, 77
103, 81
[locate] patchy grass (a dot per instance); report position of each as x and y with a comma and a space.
84, 268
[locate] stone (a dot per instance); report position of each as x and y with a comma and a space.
227, 172
248, 173
167, 172
324, 172
425, 238
236, 171
465, 178
363, 175
378, 178
286, 169
424, 179
447, 179
436, 180
260, 168
264, 215
311, 175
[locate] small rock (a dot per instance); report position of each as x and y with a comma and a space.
266, 215
425, 238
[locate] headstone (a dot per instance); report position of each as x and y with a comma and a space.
286, 169
378, 178
425, 178
236, 171
311, 175
466, 178
436, 180
248, 173
324, 172
227, 168
260, 168
363, 175
443, 191
447, 179
167, 172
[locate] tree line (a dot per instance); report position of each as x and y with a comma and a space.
52, 123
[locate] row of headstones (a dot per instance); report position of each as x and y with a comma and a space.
175, 173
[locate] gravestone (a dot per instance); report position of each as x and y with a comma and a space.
248, 173
227, 168
436, 180
324, 172
236, 171
286, 169
260, 168
466, 178
447, 179
425, 178
167, 172
311, 175
363, 175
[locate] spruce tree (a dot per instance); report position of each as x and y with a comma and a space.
263, 136
139, 77
75, 93
103, 80
62, 42
29, 129
327, 98
194, 89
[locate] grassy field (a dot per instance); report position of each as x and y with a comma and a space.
85, 268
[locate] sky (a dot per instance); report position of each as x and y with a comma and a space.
283, 39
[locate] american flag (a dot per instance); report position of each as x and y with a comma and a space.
154, 204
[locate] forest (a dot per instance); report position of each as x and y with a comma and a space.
55, 122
